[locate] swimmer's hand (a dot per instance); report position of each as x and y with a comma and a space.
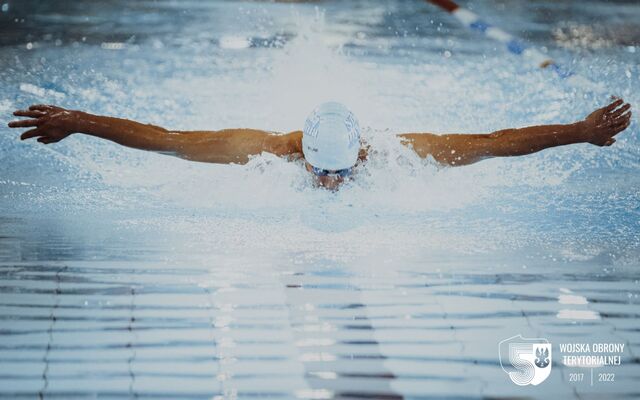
603, 124
51, 124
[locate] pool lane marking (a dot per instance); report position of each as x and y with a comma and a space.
225, 293
313, 334
52, 322
132, 343
515, 46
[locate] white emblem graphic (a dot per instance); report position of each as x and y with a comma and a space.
311, 124
527, 361
351, 123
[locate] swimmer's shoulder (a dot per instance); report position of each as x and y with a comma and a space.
294, 142
286, 144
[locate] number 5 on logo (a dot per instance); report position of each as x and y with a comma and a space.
527, 361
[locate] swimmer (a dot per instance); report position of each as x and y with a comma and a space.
329, 144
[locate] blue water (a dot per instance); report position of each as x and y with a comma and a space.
129, 274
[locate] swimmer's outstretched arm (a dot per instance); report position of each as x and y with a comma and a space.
599, 128
50, 124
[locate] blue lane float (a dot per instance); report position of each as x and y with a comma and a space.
514, 45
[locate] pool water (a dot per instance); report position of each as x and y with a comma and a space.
130, 274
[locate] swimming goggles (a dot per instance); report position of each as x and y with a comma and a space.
343, 173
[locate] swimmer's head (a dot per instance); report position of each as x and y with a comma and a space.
331, 143
331, 139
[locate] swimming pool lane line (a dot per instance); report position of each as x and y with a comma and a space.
514, 45
223, 314
314, 332
52, 322
131, 344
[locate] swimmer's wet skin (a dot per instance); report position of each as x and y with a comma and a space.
330, 142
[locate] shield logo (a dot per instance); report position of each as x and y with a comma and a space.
527, 361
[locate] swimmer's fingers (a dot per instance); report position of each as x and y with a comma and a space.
43, 137
621, 126
31, 134
625, 117
29, 113
609, 142
25, 123
43, 107
613, 105
618, 112
622, 119
620, 116
46, 140
51, 139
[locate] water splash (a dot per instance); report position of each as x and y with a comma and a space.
201, 83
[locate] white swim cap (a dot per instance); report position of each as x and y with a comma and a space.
331, 137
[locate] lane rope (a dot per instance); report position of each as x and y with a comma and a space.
515, 46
